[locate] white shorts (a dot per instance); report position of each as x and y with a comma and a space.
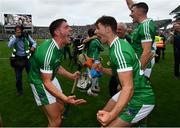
42, 96
135, 113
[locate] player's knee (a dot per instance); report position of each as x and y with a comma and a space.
55, 122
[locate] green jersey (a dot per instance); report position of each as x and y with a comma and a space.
46, 59
144, 32
94, 49
122, 59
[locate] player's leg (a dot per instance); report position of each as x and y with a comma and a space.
130, 115
60, 102
53, 113
95, 85
52, 107
118, 122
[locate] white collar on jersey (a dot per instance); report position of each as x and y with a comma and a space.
113, 41
55, 43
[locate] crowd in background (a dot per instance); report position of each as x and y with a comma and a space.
80, 33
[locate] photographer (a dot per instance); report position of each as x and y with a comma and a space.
23, 46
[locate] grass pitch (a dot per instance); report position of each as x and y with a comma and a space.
23, 112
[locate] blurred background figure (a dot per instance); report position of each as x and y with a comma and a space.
68, 51
93, 47
122, 32
176, 44
160, 41
143, 35
23, 46
129, 30
76, 50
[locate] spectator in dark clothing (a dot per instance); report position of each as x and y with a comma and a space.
176, 44
161, 46
164, 41
122, 32
77, 49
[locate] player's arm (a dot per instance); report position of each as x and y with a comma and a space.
126, 79
89, 39
32, 42
12, 41
67, 74
104, 70
129, 3
146, 54
46, 77
107, 71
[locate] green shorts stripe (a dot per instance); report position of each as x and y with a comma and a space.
42, 96
135, 113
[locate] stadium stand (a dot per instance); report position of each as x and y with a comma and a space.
176, 12
43, 32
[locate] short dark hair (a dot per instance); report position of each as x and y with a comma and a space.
91, 32
108, 21
142, 5
19, 26
55, 24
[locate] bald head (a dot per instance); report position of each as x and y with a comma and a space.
121, 29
